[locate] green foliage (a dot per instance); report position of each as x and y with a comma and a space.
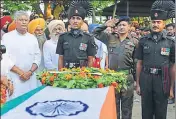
100, 5
83, 78
12, 6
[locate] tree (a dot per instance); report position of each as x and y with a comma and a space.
98, 6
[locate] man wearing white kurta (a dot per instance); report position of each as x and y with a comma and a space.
56, 27
25, 53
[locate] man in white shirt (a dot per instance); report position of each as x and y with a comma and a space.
56, 27
25, 53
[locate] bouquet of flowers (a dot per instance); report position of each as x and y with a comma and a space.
83, 78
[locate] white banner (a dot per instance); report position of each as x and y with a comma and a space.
59, 103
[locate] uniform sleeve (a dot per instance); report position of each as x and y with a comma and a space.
139, 51
47, 57
59, 49
91, 50
172, 53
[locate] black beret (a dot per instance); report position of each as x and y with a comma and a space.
77, 11
124, 18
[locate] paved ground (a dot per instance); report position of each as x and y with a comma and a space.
137, 109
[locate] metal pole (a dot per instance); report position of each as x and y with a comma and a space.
127, 8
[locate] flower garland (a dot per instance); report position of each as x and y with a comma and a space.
3, 94
83, 78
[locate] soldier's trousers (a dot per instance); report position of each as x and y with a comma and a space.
124, 100
154, 102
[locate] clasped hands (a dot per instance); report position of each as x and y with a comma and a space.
25, 75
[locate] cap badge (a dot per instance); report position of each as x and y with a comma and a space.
156, 14
76, 11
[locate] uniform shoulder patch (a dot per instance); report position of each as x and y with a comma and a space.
87, 34
169, 38
63, 34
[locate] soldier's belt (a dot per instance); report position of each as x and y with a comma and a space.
72, 64
127, 69
156, 71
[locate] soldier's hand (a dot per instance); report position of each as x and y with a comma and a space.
138, 90
110, 23
171, 94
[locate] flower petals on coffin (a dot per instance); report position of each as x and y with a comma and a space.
57, 108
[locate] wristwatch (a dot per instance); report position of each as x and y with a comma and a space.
31, 72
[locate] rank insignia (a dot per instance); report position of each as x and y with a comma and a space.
165, 51
156, 14
83, 46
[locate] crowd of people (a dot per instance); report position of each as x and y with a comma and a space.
33, 45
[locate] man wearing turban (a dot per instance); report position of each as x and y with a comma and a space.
11, 26
55, 27
5, 21
36, 27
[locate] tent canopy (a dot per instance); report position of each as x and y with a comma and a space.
131, 8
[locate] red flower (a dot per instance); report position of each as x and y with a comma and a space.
114, 84
100, 85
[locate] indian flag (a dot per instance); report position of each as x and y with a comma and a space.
58, 103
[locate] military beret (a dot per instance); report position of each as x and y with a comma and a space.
124, 18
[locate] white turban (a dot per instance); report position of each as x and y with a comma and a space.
54, 23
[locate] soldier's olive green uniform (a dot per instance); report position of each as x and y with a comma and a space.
121, 57
156, 55
76, 48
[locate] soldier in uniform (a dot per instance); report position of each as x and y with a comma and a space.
156, 64
76, 48
121, 51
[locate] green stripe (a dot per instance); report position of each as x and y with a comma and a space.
17, 101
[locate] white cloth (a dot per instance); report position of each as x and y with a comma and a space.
24, 51
6, 64
99, 50
84, 95
50, 56
105, 54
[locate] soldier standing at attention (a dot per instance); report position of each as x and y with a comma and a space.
121, 51
76, 48
156, 64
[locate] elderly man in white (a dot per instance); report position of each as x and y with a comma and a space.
25, 53
56, 27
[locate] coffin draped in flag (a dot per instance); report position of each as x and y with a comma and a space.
60, 103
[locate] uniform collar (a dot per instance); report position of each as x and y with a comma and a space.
163, 35
79, 32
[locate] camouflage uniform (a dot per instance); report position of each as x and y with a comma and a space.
121, 57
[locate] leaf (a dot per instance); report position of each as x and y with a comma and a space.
70, 84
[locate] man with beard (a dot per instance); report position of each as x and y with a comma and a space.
56, 27
171, 30
36, 27
76, 48
156, 63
